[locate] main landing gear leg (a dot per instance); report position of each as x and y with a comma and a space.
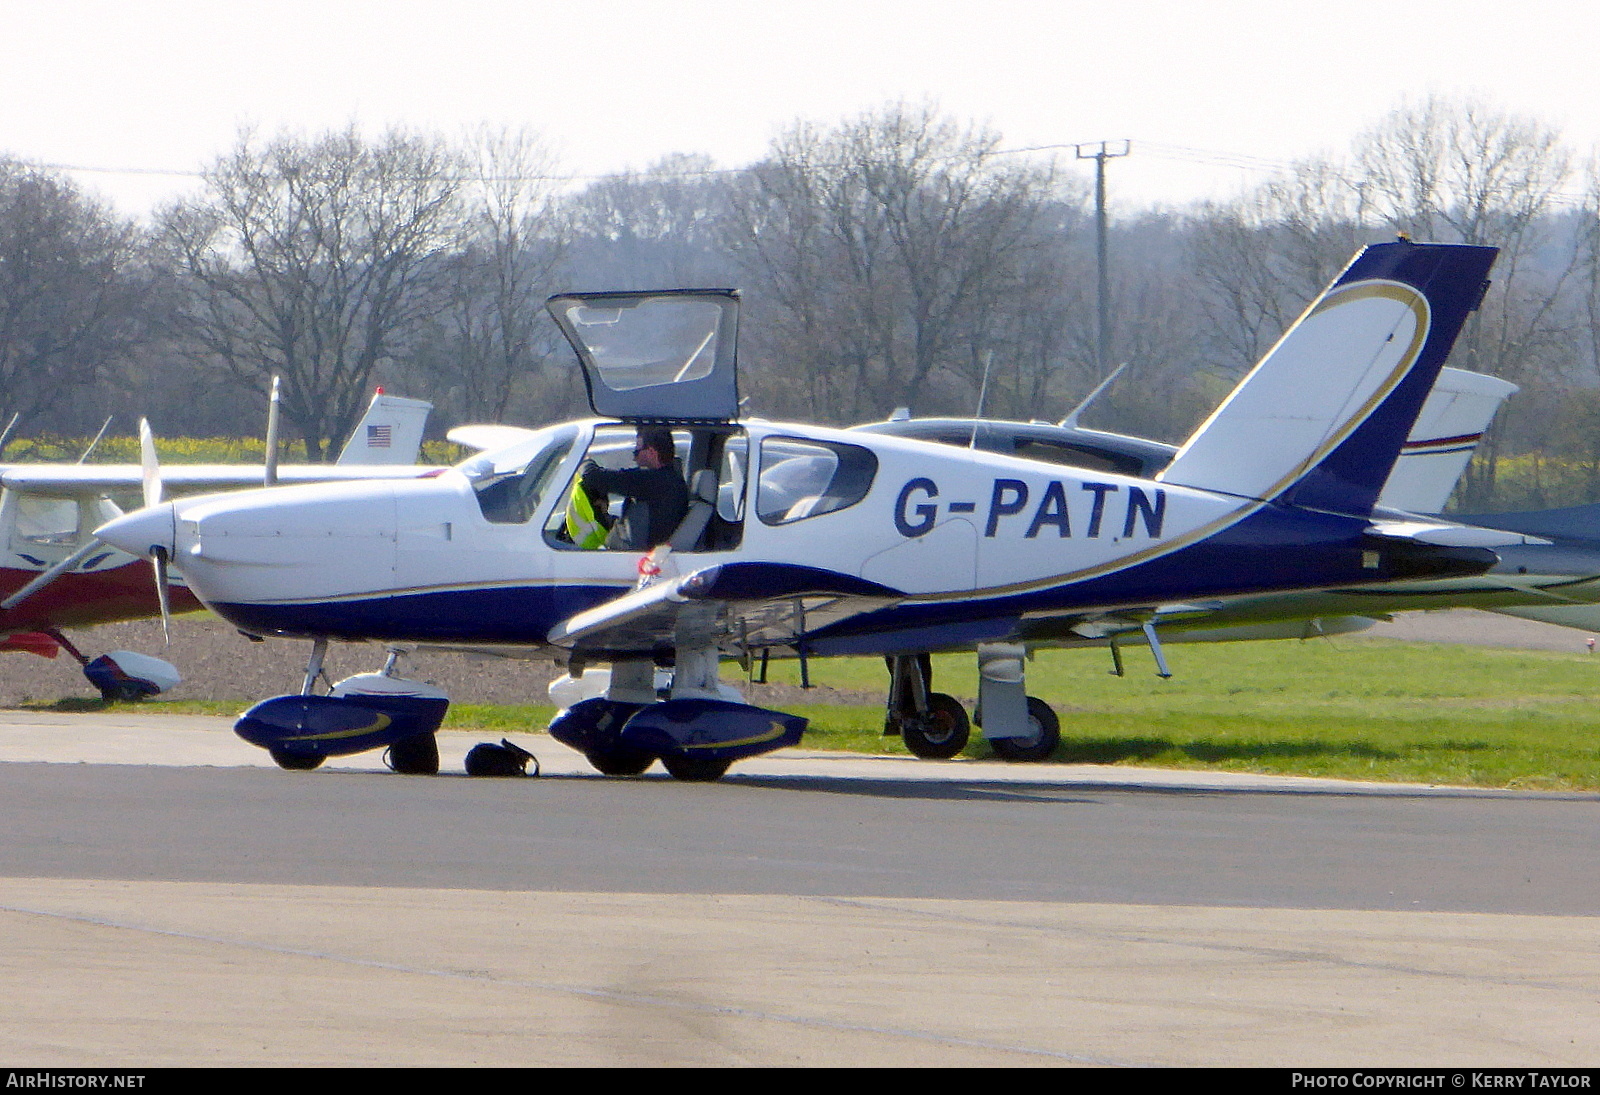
1018, 726
319, 651
288, 759
933, 725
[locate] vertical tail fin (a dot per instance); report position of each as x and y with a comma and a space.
1319, 422
389, 433
1447, 432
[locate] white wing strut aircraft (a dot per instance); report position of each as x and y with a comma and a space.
55, 574
804, 541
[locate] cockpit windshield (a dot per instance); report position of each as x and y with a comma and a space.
510, 483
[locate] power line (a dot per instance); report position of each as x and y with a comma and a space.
1154, 149
1160, 151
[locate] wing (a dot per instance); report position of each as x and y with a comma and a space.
740, 606
489, 437
89, 480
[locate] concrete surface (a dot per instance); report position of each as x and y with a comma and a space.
127, 973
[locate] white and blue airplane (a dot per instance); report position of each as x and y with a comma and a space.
805, 541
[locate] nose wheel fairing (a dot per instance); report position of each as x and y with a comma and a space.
334, 726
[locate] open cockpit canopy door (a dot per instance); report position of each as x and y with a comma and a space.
663, 355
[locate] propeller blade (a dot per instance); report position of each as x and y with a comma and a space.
274, 404
149, 467
158, 560
48, 576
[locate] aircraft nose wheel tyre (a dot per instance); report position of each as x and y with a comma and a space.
620, 761
124, 693
1038, 745
695, 769
294, 762
414, 756
941, 733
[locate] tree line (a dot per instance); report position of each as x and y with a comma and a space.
898, 258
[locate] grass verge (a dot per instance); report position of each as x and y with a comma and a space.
1352, 709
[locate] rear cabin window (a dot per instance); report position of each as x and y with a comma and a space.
805, 478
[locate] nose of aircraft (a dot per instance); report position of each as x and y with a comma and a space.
142, 531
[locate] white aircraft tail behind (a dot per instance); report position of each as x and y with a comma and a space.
389, 433
1453, 421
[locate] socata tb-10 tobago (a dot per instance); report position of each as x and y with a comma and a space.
807, 541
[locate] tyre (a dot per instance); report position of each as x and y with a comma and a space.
414, 756
620, 761
941, 733
1040, 744
294, 762
695, 769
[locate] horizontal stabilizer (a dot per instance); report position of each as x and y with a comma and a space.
1446, 434
1448, 534
489, 436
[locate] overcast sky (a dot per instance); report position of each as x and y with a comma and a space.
1212, 94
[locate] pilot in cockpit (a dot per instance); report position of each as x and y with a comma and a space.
655, 497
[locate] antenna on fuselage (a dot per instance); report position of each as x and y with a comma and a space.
5, 435
983, 391
1071, 421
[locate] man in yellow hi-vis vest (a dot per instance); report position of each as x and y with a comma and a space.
655, 496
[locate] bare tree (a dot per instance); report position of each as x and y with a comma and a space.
819, 269
1462, 171
652, 229
308, 258
1262, 257
489, 337
883, 241
71, 294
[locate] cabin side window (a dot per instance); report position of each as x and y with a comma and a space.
805, 478
42, 522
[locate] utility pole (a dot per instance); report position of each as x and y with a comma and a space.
1104, 153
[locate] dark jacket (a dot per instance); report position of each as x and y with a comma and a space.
656, 500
